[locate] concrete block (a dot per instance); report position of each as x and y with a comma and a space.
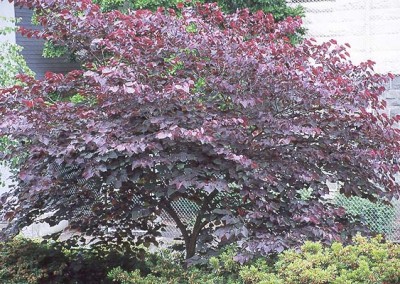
371, 27
394, 111
385, 13
378, 4
350, 4
392, 94
393, 103
388, 27
318, 7
383, 41
396, 82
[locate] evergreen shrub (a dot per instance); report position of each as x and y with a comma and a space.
363, 262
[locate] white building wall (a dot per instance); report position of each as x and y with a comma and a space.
6, 12
5, 178
371, 27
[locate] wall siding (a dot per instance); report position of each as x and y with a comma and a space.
33, 49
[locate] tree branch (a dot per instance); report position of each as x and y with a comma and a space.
198, 225
166, 205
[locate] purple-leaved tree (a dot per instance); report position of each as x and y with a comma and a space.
221, 110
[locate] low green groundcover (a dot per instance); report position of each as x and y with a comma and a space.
366, 261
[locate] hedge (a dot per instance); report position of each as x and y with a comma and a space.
365, 261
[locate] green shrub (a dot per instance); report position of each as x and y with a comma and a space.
165, 268
363, 262
29, 261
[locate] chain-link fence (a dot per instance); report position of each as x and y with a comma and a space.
378, 217
186, 210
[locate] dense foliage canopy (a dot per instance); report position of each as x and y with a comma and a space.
221, 110
278, 8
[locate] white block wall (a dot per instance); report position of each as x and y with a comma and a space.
5, 180
371, 27
6, 11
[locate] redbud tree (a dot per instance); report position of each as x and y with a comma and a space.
221, 110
